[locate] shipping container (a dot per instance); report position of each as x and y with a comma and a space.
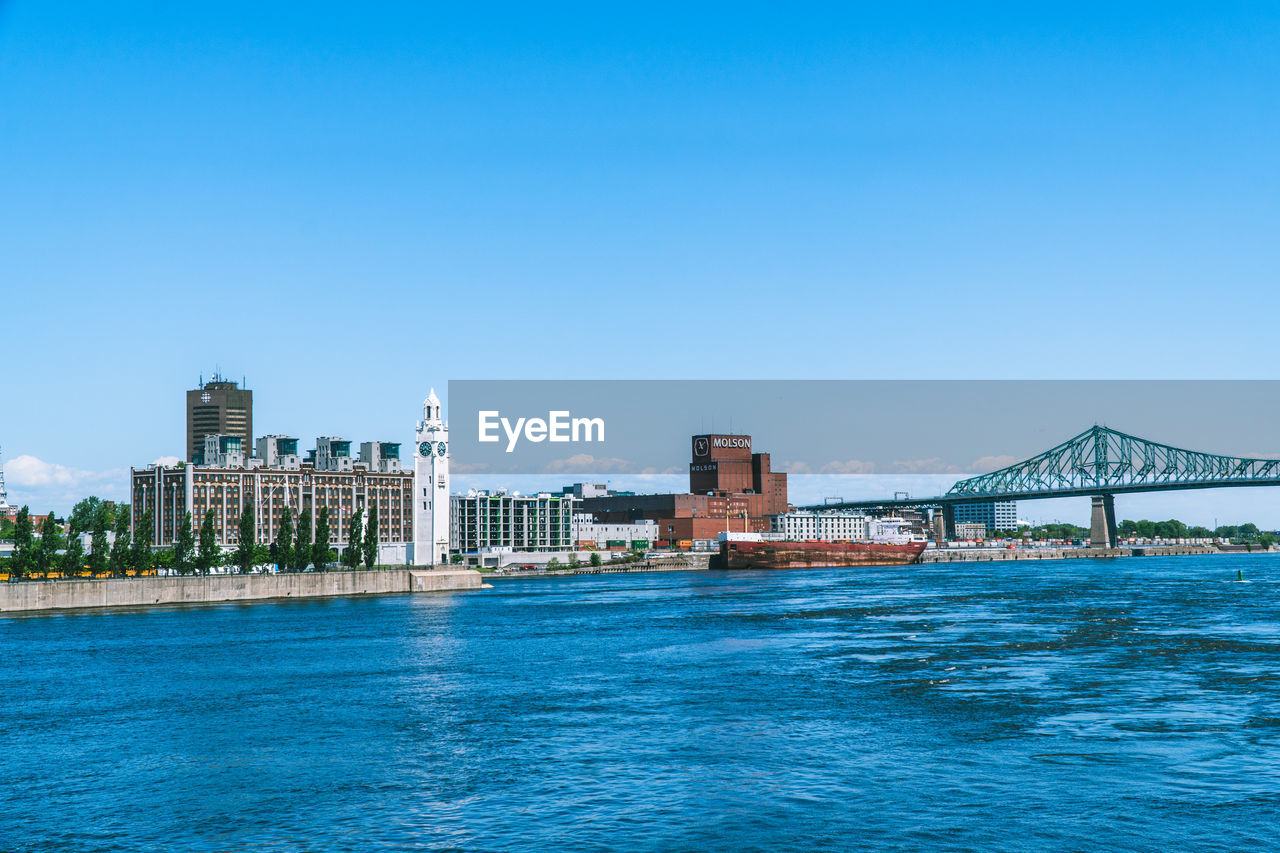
639, 544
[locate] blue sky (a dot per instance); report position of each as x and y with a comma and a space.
348, 204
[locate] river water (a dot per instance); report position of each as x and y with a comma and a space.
1078, 704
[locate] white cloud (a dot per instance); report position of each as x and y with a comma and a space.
585, 463
49, 485
166, 462
987, 464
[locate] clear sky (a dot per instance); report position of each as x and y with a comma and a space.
348, 203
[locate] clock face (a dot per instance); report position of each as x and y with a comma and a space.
441, 449
425, 448
205, 397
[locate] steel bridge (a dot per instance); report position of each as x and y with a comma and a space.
1098, 463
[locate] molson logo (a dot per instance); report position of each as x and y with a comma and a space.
700, 446
731, 441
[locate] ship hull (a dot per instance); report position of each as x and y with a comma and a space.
812, 555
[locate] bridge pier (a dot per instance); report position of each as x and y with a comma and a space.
944, 522
1102, 527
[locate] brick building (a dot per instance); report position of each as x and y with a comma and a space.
730, 488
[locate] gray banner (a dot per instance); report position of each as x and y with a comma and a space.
893, 427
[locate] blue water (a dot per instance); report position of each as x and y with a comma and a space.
1119, 704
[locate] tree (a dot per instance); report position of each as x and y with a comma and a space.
284, 541
183, 546
370, 543
553, 564
120, 548
88, 513
320, 550
302, 542
50, 544
24, 558
73, 557
595, 559
247, 549
100, 554
207, 556
140, 549
351, 556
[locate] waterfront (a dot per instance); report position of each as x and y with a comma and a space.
1126, 703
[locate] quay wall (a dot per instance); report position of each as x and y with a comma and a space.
135, 592
982, 555
682, 563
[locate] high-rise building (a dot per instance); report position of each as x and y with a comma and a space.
218, 407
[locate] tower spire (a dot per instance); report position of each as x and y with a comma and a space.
4, 496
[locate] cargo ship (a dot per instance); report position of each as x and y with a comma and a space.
745, 554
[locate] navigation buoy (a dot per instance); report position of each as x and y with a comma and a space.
1239, 574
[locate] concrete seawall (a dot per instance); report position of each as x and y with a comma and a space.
982, 555
134, 592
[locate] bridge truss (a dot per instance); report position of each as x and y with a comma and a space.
1101, 460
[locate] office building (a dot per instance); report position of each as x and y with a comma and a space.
992, 515
218, 407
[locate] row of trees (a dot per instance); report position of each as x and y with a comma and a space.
193, 552
1171, 529
51, 551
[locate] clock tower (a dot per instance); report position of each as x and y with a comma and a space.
431, 486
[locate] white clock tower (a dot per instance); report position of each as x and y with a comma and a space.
431, 486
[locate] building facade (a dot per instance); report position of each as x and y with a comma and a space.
589, 534
829, 526
170, 493
731, 489
992, 515
483, 519
218, 406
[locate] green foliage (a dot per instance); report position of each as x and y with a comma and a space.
91, 514
595, 559
100, 551
24, 558
184, 546
140, 549
247, 549
261, 555
51, 542
1058, 530
302, 542
370, 543
456, 558
355, 533
6, 528
320, 550
574, 561
207, 555
119, 560
284, 541
553, 564
73, 557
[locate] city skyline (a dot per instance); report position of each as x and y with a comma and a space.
345, 208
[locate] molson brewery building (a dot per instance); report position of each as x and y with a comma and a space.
730, 488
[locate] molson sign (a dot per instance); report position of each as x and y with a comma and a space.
721, 446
